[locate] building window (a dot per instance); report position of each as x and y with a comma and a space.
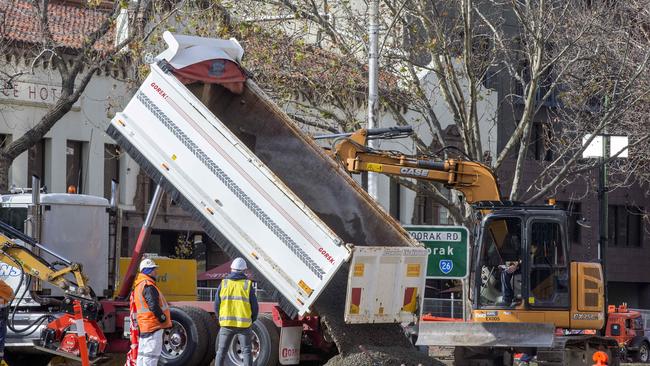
625, 226
4, 139
111, 167
424, 211
540, 138
428, 212
36, 162
574, 213
395, 199
74, 165
151, 190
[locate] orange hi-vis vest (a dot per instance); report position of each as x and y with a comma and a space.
6, 293
147, 321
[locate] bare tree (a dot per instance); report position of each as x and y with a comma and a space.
544, 57
75, 64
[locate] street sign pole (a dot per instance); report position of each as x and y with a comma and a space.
603, 218
465, 293
603, 147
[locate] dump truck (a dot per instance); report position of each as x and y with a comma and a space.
524, 285
220, 147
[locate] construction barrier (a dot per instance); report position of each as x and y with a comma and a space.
81, 334
600, 358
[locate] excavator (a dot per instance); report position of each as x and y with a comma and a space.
60, 335
527, 295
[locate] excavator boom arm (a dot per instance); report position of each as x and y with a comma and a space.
33, 265
476, 181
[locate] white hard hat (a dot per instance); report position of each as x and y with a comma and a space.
147, 263
239, 264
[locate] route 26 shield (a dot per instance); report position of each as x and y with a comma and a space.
446, 265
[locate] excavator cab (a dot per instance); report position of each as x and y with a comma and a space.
523, 285
522, 262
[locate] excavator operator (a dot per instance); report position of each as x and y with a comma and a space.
511, 257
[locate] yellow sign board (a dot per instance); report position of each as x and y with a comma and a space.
176, 277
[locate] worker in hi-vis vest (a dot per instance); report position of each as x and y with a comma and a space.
236, 307
152, 314
6, 295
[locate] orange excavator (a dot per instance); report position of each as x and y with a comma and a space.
526, 293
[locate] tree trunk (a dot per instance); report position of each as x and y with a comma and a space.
5, 165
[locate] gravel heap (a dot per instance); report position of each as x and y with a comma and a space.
365, 344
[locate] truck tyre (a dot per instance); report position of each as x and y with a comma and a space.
15, 359
186, 342
643, 354
213, 329
265, 348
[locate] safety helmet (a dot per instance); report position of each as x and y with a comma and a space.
147, 263
239, 264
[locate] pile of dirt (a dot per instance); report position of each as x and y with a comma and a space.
365, 344
380, 356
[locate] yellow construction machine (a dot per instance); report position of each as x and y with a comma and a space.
526, 293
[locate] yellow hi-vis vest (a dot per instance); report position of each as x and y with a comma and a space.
235, 304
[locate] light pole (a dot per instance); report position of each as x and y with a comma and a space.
604, 147
373, 75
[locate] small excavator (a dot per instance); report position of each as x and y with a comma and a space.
60, 336
526, 293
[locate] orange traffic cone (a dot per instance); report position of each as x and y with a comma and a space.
600, 358
81, 334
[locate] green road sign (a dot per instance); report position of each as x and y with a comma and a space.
449, 249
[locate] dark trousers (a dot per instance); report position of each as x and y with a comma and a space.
224, 340
4, 315
506, 286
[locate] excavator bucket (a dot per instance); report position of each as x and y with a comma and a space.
473, 334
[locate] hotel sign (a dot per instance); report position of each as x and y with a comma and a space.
35, 94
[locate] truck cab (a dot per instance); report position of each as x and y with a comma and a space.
627, 327
73, 226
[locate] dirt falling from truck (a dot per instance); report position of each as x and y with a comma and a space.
334, 197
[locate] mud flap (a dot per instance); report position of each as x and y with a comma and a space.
485, 334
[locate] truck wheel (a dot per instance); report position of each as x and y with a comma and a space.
186, 342
213, 329
265, 345
27, 359
643, 354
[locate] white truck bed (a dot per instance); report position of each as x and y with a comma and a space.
175, 137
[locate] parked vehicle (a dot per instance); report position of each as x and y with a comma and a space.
630, 330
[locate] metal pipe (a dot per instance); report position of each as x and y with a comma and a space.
36, 190
373, 95
141, 244
603, 217
431, 164
115, 194
35, 221
391, 131
50, 252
